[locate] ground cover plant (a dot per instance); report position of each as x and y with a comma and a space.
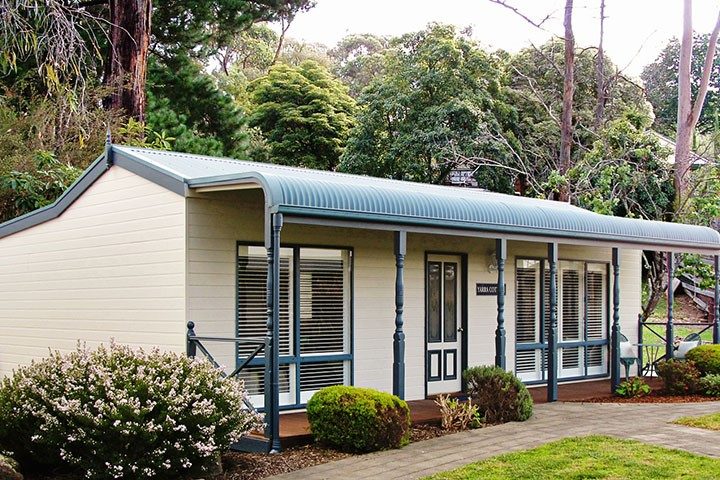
115, 412
708, 422
597, 457
633, 388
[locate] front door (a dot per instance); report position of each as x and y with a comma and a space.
442, 324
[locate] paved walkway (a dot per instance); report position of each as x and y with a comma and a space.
644, 422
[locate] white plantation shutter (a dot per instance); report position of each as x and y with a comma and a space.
527, 288
323, 290
595, 309
252, 310
570, 329
526, 305
323, 303
324, 317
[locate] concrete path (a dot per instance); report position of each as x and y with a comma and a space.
645, 422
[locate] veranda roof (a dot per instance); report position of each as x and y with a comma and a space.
338, 197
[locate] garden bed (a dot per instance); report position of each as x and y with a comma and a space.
247, 466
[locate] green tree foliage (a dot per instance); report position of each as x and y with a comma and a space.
305, 114
357, 59
661, 84
535, 89
32, 189
200, 27
249, 53
185, 103
626, 172
438, 103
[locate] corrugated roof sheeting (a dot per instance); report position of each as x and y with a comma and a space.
336, 195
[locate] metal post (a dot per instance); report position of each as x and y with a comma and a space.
640, 343
191, 346
615, 330
552, 354
669, 327
272, 354
716, 310
399, 335
501, 255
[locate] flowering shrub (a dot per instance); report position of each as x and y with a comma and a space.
119, 413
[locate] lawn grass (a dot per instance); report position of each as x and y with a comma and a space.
680, 331
595, 457
708, 422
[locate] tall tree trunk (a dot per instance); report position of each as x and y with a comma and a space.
566, 127
600, 73
689, 111
285, 22
126, 68
655, 269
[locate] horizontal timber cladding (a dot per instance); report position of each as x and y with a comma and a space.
218, 220
112, 266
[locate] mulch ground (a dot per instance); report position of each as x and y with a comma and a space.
254, 466
653, 397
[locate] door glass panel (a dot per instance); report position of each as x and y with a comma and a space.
434, 291
450, 302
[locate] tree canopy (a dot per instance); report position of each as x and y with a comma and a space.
437, 103
304, 113
661, 83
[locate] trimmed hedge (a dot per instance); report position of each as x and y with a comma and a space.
706, 358
499, 395
680, 377
358, 419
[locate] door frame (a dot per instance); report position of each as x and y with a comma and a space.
463, 315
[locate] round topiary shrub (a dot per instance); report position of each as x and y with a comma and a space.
120, 413
499, 395
680, 377
358, 419
706, 358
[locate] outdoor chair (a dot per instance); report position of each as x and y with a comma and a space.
628, 355
687, 344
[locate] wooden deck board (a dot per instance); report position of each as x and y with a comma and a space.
295, 429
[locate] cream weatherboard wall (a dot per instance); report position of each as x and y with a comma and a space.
112, 266
216, 221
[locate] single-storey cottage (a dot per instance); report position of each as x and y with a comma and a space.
347, 279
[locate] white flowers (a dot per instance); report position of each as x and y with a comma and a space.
119, 413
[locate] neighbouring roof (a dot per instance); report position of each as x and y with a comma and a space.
344, 197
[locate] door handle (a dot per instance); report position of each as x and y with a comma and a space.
460, 330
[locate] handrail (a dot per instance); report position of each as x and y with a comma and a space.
645, 325
194, 343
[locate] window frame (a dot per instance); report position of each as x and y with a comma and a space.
542, 344
296, 359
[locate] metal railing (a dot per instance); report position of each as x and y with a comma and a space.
195, 343
646, 328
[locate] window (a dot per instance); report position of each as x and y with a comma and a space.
314, 319
581, 315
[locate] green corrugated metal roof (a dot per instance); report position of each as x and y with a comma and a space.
341, 198
330, 195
